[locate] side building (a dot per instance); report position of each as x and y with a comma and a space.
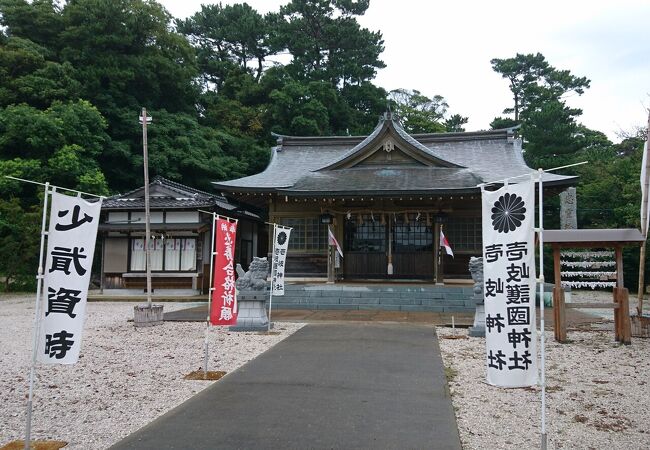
180, 242
386, 197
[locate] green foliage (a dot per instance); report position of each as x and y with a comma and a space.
327, 43
548, 125
421, 114
20, 231
59, 145
533, 80
183, 150
29, 75
226, 37
501, 123
454, 124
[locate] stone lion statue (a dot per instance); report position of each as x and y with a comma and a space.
476, 269
255, 278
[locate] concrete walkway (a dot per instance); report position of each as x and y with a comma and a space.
328, 386
199, 313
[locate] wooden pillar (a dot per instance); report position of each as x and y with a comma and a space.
622, 308
559, 310
437, 267
102, 275
559, 315
330, 264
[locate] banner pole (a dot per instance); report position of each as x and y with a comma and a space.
541, 305
275, 230
36, 330
207, 321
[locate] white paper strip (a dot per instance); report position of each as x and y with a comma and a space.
594, 274
589, 264
589, 284
509, 285
68, 263
588, 255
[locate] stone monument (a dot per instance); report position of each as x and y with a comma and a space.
476, 269
252, 294
568, 209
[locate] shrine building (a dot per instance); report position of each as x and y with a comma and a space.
386, 196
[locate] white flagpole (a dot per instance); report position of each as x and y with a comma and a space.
541, 305
37, 320
644, 224
275, 232
211, 288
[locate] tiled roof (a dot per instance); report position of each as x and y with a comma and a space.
167, 194
385, 180
312, 164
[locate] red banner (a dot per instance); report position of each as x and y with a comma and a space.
223, 310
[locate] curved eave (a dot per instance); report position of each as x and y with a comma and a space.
388, 126
382, 193
568, 181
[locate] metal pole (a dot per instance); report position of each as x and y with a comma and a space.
144, 119
207, 321
541, 305
37, 321
644, 214
273, 268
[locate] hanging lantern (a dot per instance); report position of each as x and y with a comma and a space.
383, 219
406, 218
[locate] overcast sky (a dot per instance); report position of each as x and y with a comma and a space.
445, 48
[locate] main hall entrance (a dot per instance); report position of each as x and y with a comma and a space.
375, 243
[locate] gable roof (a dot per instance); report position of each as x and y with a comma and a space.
168, 194
388, 129
453, 162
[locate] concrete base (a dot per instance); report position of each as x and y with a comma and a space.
145, 316
251, 315
478, 329
155, 292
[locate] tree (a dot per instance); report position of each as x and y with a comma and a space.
454, 124
533, 80
327, 43
29, 74
61, 144
20, 232
421, 114
548, 125
226, 37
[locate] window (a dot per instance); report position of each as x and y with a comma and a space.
308, 233
464, 233
168, 254
414, 236
367, 235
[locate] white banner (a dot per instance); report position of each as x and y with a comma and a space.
280, 247
68, 263
509, 285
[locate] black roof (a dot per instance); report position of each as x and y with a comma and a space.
446, 162
168, 194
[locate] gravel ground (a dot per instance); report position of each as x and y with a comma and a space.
125, 377
597, 394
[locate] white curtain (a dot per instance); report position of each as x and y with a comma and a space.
156, 246
172, 253
138, 254
179, 254
188, 254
